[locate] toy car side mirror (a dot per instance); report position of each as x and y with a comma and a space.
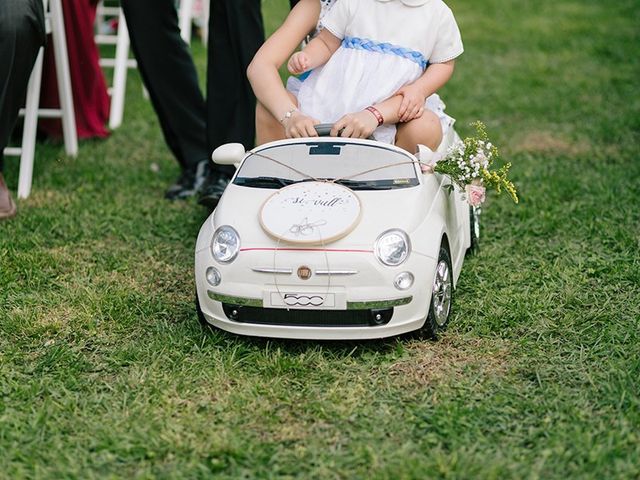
228, 154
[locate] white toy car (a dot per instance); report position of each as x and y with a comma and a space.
331, 238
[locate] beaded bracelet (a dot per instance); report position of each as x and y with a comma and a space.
376, 113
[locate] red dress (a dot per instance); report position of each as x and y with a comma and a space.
90, 97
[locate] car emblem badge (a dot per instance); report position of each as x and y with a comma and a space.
304, 273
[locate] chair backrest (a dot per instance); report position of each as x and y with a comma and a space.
120, 63
54, 24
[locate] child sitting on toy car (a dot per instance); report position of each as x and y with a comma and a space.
368, 71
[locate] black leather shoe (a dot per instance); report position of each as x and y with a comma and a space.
189, 183
213, 190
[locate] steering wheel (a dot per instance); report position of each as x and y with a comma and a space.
324, 130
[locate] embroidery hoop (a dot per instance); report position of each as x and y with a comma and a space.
311, 213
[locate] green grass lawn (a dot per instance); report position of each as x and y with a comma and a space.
105, 371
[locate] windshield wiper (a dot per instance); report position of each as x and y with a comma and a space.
263, 182
389, 184
370, 185
277, 182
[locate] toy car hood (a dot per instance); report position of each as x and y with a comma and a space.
403, 208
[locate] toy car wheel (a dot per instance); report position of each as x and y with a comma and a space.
474, 226
201, 319
441, 295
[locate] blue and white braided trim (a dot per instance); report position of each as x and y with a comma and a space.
371, 46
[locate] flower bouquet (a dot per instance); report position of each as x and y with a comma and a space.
468, 163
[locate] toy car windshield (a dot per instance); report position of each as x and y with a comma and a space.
354, 165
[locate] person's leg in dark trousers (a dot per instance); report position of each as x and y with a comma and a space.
168, 72
236, 32
22, 33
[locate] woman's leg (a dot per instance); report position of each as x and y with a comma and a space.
424, 130
268, 128
90, 97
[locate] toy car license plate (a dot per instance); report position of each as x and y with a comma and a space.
306, 300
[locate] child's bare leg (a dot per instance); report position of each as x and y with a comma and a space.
268, 128
425, 130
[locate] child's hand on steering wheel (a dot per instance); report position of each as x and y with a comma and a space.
355, 125
412, 105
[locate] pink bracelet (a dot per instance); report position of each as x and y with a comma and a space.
376, 113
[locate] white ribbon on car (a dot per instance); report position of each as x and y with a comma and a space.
418, 161
275, 277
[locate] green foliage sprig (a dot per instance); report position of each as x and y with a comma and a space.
469, 163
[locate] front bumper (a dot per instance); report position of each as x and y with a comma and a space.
354, 298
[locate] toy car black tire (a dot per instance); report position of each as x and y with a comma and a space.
437, 320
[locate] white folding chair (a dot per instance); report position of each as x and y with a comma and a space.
187, 14
120, 63
54, 24
200, 14
184, 19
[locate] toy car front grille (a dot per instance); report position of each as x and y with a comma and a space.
307, 318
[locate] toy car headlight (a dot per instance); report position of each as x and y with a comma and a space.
225, 244
392, 247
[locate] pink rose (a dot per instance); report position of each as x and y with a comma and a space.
475, 194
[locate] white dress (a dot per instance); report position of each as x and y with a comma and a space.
386, 44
